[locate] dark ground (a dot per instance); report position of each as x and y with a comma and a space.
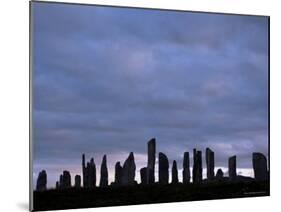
139, 194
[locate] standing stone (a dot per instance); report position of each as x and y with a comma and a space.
143, 174
219, 175
210, 162
41, 184
186, 170
232, 168
197, 166
260, 166
77, 183
66, 180
151, 161
61, 181
118, 173
84, 172
103, 173
89, 173
128, 170
163, 169
175, 178
57, 185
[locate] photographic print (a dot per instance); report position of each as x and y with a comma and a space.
138, 106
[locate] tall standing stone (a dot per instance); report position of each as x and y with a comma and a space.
84, 172
128, 170
41, 184
232, 168
91, 169
61, 181
77, 183
194, 166
143, 175
118, 173
163, 169
175, 178
260, 166
151, 161
57, 185
103, 173
210, 162
89, 173
186, 169
197, 166
66, 180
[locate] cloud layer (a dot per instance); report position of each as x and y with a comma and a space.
106, 80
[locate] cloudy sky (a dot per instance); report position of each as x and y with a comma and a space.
106, 80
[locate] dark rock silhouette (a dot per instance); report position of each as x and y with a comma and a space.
65, 180
175, 178
232, 168
128, 171
60, 181
219, 175
91, 168
186, 169
197, 166
210, 162
118, 173
89, 173
163, 169
260, 166
57, 185
77, 183
151, 151
41, 184
103, 173
143, 175
84, 172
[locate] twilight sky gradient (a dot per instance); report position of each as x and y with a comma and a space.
106, 80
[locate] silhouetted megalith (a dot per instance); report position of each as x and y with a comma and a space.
210, 162
103, 173
219, 175
260, 166
57, 185
41, 184
186, 168
151, 150
118, 173
66, 180
175, 178
197, 166
85, 183
143, 175
163, 169
77, 183
128, 170
89, 173
60, 181
232, 168
91, 168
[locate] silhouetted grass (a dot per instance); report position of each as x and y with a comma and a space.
140, 194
